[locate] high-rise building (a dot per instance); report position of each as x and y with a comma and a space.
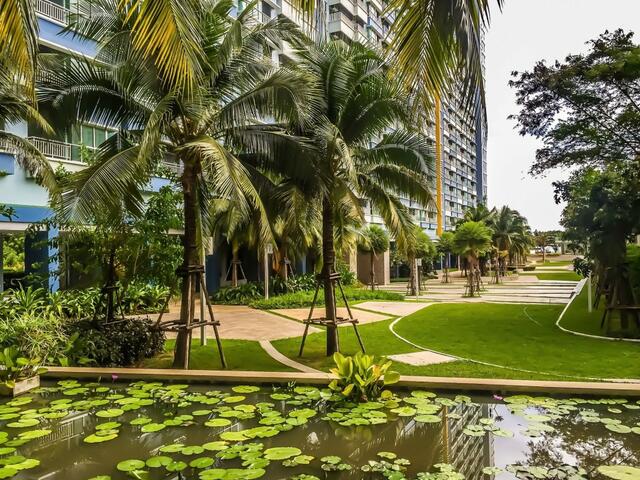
459, 139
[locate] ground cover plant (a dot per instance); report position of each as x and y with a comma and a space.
305, 299
153, 430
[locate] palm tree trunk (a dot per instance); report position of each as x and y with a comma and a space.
284, 274
191, 257
413, 276
328, 262
373, 270
234, 267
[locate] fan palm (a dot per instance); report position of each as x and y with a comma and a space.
471, 240
351, 154
445, 247
203, 127
510, 233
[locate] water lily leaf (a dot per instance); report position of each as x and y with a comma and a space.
94, 438
192, 450
8, 472
202, 462
176, 466
233, 399
215, 446
620, 472
427, 418
30, 435
109, 413
153, 427
130, 465
492, 470
618, 428
217, 422
281, 453
158, 461
233, 436
245, 389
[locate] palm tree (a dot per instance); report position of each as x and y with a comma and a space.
543, 240
479, 213
445, 247
16, 104
203, 127
350, 152
432, 42
471, 240
510, 230
19, 34
374, 240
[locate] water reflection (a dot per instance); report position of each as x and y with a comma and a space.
570, 440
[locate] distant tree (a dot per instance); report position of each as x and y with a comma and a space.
471, 240
374, 240
585, 110
446, 247
543, 240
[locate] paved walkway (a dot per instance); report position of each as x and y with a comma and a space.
276, 355
240, 322
419, 359
303, 313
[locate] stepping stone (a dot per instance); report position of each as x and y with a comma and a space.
418, 359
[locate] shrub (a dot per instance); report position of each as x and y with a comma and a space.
304, 299
34, 334
117, 344
240, 295
529, 268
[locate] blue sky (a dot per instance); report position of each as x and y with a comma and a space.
524, 32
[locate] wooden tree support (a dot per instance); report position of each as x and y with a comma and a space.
325, 322
197, 278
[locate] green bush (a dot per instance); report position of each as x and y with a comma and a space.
240, 295
117, 344
34, 334
304, 299
529, 268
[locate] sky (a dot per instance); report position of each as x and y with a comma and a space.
524, 32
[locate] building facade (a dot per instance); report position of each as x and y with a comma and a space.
459, 140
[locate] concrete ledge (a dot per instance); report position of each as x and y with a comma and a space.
631, 388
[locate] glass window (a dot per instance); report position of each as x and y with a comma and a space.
87, 136
100, 136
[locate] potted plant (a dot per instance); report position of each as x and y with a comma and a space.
18, 374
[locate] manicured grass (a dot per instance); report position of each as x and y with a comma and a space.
518, 336
578, 318
568, 275
240, 355
551, 263
305, 299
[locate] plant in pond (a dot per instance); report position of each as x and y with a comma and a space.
16, 368
360, 377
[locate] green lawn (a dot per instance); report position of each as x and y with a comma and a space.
518, 336
568, 275
305, 299
578, 318
240, 355
558, 263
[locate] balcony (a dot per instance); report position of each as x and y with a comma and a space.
53, 149
53, 11
375, 25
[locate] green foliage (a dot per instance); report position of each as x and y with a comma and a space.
13, 246
585, 109
472, 239
240, 295
304, 299
118, 344
374, 239
446, 243
16, 367
360, 377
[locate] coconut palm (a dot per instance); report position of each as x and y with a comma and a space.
203, 127
19, 39
472, 239
16, 104
352, 154
375, 241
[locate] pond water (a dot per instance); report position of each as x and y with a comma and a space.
79, 431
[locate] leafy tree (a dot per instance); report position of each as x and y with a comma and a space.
586, 110
374, 240
203, 125
347, 152
471, 240
543, 240
603, 207
446, 247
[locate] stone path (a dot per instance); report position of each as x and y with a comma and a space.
276, 355
419, 359
396, 309
239, 322
303, 313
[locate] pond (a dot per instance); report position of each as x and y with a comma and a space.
149, 430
